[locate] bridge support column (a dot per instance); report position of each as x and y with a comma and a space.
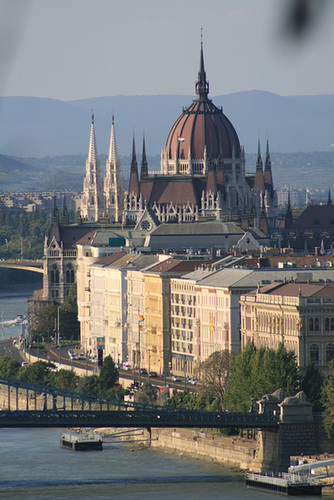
267, 451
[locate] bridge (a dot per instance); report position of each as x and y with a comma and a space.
31, 405
35, 266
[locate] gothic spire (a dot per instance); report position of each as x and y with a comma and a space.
134, 180
259, 182
268, 178
202, 85
112, 156
92, 151
288, 214
144, 164
329, 200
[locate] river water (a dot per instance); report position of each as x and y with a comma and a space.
34, 466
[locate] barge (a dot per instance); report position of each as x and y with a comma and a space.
284, 483
305, 479
81, 441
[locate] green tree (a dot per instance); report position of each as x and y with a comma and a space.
90, 385
328, 402
213, 374
312, 384
108, 375
9, 368
65, 379
259, 371
147, 394
68, 316
38, 373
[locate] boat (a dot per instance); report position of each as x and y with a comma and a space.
81, 441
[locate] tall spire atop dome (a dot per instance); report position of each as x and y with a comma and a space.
202, 86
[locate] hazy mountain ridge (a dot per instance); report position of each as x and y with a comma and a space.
298, 170
38, 127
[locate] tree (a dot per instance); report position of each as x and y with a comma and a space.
108, 375
147, 394
328, 402
312, 384
90, 385
9, 368
38, 373
65, 379
259, 371
213, 374
68, 316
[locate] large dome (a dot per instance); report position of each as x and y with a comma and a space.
202, 125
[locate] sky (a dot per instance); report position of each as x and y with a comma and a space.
76, 49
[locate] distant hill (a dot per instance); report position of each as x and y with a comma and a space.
299, 170
36, 127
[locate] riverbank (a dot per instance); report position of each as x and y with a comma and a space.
209, 446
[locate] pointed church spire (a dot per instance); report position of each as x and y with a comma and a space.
92, 198
268, 178
259, 182
202, 86
329, 200
92, 151
134, 180
144, 164
113, 185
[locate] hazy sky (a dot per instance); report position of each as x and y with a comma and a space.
73, 49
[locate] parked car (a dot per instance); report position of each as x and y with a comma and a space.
143, 371
191, 381
175, 378
153, 374
126, 366
81, 356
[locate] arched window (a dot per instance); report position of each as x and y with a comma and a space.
316, 324
329, 352
70, 274
314, 353
310, 325
327, 324
54, 275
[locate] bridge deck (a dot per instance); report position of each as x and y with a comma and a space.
30, 405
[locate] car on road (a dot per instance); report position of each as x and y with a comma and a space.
70, 352
191, 381
143, 371
152, 374
81, 356
175, 378
126, 366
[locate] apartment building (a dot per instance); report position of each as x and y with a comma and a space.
298, 315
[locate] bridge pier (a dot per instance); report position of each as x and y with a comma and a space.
296, 434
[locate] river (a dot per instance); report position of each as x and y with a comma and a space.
34, 466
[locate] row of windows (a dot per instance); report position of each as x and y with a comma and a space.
314, 352
69, 275
314, 324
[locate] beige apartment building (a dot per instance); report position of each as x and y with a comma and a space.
298, 315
